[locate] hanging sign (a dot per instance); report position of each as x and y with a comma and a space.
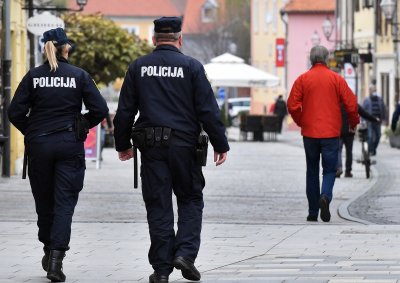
43, 22
280, 52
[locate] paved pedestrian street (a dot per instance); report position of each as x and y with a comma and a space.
254, 227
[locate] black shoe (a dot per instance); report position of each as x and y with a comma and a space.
54, 271
339, 173
155, 278
348, 175
187, 268
45, 259
312, 218
324, 206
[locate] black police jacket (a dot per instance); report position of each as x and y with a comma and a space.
171, 90
53, 99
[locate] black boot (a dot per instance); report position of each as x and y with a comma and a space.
45, 259
155, 278
54, 271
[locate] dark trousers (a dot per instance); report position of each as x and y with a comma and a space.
374, 135
56, 169
347, 141
163, 171
280, 123
315, 149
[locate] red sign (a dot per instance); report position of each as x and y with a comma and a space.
91, 143
280, 52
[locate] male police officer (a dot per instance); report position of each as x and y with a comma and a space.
173, 96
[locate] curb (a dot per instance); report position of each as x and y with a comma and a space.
343, 209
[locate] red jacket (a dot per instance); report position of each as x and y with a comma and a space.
314, 103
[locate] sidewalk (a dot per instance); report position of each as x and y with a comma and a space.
254, 224
116, 252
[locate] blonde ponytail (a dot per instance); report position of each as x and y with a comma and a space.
51, 51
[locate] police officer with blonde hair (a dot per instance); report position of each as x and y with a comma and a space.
46, 109
173, 97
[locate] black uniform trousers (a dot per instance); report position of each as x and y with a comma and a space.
56, 169
163, 171
347, 141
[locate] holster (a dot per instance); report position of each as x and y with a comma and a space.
82, 127
24, 164
202, 149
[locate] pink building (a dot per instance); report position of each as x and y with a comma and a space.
304, 30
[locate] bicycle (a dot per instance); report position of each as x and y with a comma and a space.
365, 157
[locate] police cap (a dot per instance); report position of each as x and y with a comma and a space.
168, 25
57, 35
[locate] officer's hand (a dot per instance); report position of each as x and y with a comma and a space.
219, 158
126, 154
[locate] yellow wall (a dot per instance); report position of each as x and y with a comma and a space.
263, 41
364, 33
144, 26
18, 70
385, 63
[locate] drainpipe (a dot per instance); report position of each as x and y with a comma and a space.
284, 18
31, 37
6, 87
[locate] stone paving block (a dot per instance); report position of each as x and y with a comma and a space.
250, 238
358, 280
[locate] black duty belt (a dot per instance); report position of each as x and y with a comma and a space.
67, 128
151, 137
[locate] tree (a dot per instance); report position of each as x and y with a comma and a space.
237, 24
229, 31
103, 49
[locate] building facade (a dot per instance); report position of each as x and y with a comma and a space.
19, 66
267, 30
305, 19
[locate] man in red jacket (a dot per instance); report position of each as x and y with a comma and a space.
314, 103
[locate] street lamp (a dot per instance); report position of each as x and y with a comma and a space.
327, 28
388, 8
80, 3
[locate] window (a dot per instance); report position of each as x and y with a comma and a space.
385, 90
150, 35
275, 14
378, 18
266, 67
356, 5
270, 49
267, 15
255, 15
131, 29
368, 4
209, 11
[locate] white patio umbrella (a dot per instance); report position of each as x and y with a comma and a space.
231, 71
